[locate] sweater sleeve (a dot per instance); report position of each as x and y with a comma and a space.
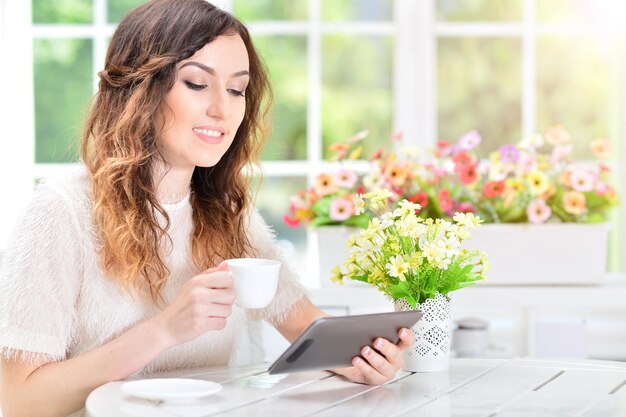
289, 291
40, 281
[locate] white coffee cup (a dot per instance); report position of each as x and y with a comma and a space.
255, 280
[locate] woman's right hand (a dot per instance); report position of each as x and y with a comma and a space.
204, 303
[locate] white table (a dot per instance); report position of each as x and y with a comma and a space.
472, 387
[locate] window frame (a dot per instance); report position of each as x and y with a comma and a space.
414, 29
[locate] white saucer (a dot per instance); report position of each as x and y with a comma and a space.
170, 388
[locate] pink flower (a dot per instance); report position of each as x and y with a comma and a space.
324, 184
466, 207
557, 135
582, 180
526, 163
574, 202
470, 140
341, 209
601, 148
291, 221
445, 201
462, 160
346, 178
469, 175
538, 212
493, 189
561, 153
509, 153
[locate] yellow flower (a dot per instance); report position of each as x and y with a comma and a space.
336, 275
515, 185
416, 260
537, 182
397, 267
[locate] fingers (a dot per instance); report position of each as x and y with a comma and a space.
369, 374
221, 267
383, 365
407, 338
216, 279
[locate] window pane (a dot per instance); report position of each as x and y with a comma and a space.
367, 10
581, 11
356, 91
273, 204
63, 87
61, 11
478, 88
286, 59
576, 87
271, 10
479, 10
117, 9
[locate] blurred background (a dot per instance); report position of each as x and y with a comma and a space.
431, 69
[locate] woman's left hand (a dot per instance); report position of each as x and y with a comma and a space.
379, 364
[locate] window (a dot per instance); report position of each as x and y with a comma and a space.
429, 68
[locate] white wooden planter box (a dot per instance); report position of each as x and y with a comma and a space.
550, 254
330, 243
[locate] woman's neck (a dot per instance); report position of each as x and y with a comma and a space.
172, 183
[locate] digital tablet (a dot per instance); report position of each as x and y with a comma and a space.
332, 342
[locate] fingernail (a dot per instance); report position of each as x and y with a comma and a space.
404, 333
378, 344
356, 361
367, 350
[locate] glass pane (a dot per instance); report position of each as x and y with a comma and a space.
62, 11
367, 10
479, 10
247, 10
117, 9
356, 90
582, 11
273, 204
63, 88
479, 88
578, 83
286, 60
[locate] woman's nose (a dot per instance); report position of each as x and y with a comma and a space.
219, 105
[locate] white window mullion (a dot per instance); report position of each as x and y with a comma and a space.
529, 71
414, 78
314, 104
16, 113
99, 39
619, 240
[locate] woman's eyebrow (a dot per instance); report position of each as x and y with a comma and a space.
211, 70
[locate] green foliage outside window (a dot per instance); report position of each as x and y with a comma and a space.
63, 88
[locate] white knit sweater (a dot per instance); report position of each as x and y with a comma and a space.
55, 300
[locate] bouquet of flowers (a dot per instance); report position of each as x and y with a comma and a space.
330, 200
533, 181
408, 257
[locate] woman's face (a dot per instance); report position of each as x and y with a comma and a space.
206, 105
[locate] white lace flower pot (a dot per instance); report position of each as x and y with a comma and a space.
543, 254
329, 245
431, 351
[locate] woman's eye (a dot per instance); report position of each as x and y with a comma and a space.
194, 86
236, 93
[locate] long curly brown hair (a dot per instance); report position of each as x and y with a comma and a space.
119, 146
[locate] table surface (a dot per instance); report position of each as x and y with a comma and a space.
472, 387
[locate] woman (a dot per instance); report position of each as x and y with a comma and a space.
117, 268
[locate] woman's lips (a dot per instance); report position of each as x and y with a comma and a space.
209, 135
